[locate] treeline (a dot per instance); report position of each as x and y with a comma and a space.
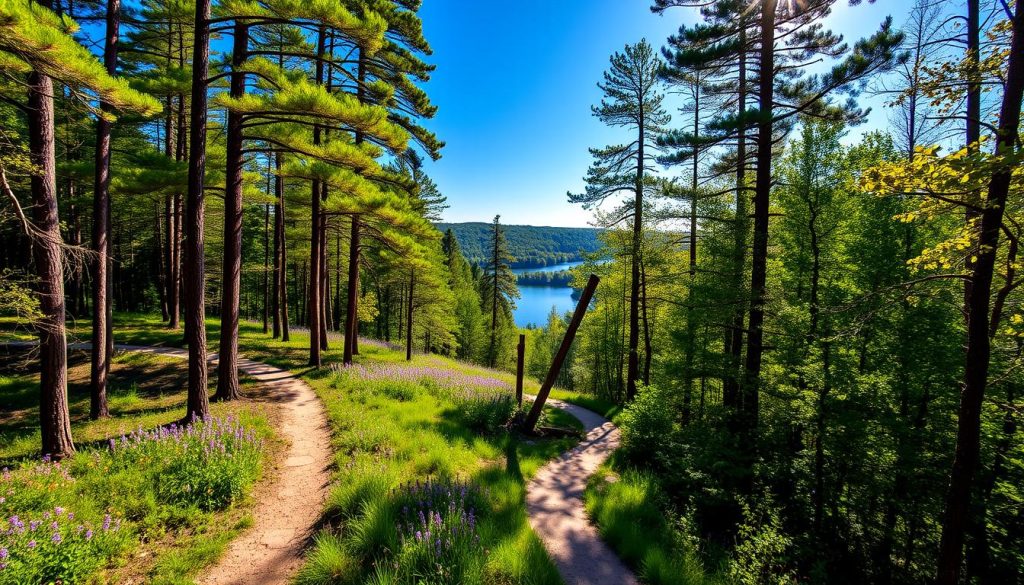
824, 377
529, 246
278, 175
557, 278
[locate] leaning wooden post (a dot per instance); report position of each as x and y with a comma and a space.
563, 350
520, 353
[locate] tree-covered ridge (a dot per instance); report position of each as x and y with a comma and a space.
557, 278
530, 246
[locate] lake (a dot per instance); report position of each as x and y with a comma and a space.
535, 302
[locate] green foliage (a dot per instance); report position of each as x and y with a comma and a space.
761, 552
629, 510
647, 426
489, 415
385, 441
530, 246
105, 501
32, 37
53, 546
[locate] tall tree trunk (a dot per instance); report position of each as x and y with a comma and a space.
351, 308
352, 314
648, 353
734, 336
973, 113
231, 280
275, 292
175, 229
313, 301
691, 324
633, 361
266, 269
762, 194
324, 277
54, 419
161, 264
102, 330
408, 322
195, 220
337, 281
978, 355
282, 262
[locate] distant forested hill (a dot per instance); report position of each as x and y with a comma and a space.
532, 246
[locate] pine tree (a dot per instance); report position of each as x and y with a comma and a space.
633, 102
35, 45
469, 333
498, 287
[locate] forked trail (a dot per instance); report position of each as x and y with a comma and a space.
554, 504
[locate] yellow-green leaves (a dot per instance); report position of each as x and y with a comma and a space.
33, 37
366, 31
291, 97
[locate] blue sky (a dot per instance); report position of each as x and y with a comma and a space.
514, 85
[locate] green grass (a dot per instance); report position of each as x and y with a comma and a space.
626, 508
385, 435
162, 542
605, 408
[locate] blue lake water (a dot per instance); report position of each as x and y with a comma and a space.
535, 302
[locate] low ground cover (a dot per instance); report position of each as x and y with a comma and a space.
434, 421
146, 497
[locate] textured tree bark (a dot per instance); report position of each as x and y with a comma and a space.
231, 281
520, 355
282, 263
102, 338
313, 301
408, 321
275, 291
195, 220
161, 264
563, 350
734, 336
633, 359
351, 309
175, 229
324, 278
978, 355
266, 269
55, 422
750, 396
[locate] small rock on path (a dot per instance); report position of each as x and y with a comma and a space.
554, 505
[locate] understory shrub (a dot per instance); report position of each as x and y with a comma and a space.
647, 425
207, 463
629, 513
60, 522
487, 414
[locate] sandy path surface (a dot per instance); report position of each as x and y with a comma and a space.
554, 504
270, 551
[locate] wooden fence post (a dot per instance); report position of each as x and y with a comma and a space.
520, 354
563, 350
